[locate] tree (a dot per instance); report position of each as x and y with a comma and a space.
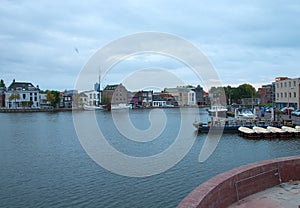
235, 94
53, 97
2, 84
14, 96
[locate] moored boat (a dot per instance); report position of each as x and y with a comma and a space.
218, 110
120, 106
294, 131
247, 132
92, 107
279, 132
264, 133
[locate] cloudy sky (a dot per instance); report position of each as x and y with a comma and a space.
49, 42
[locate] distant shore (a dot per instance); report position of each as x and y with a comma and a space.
31, 110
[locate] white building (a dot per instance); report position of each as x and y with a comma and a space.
183, 95
90, 97
21, 95
287, 92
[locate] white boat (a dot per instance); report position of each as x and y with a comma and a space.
245, 113
261, 130
218, 110
92, 107
120, 106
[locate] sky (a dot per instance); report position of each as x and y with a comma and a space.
48, 43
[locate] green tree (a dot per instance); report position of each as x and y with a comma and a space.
53, 97
14, 96
2, 84
235, 94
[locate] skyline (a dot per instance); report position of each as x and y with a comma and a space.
251, 42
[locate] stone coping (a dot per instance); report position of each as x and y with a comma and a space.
221, 190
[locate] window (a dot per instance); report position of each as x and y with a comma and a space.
290, 94
24, 96
290, 84
295, 94
281, 85
285, 84
285, 94
281, 95
277, 95
294, 83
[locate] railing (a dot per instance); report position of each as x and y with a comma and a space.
273, 172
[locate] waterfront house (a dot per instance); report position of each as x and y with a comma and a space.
2, 97
163, 100
141, 99
90, 98
22, 95
199, 95
115, 94
67, 98
287, 92
266, 93
184, 96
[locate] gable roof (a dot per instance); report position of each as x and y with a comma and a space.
22, 86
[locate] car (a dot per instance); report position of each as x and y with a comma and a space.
296, 112
269, 109
287, 110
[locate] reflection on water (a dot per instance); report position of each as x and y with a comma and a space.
43, 164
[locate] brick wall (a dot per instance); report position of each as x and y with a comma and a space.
225, 189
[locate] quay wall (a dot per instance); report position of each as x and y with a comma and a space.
227, 188
30, 110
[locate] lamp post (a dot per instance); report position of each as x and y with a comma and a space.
288, 107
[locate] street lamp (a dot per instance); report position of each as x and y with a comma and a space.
288, 107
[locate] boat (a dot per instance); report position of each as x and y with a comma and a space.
92, 107
294, 131
245, 113
263, 132
279, 132
247, 132
120, 106
218, 111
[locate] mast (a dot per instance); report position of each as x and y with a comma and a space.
99, 89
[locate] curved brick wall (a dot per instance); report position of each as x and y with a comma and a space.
225, 189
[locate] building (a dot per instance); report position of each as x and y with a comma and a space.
141, 99
199, 95
68, 98
115, 94
2, 97
287, 92
183, 95
90, 97
267, 94
21, 95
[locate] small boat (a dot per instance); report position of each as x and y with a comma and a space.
120, 106
279, 132
264, 133
294, 131
247, 132
218, 110
92, 107
245, 113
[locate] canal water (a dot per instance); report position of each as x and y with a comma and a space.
42, 163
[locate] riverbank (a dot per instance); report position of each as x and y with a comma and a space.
33, 110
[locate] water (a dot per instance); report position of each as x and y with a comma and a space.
43, 164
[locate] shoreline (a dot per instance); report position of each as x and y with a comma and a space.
34, 110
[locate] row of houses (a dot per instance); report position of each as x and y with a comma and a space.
283, 92
25, 94
118, 94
